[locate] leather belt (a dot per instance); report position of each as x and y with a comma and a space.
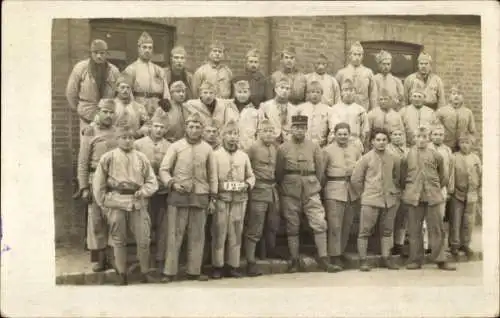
124, 191
148, 95
266, 181
342, 178
300, 172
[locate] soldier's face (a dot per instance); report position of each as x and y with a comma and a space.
385, 66
288, 60
146, 51
422, 140
216, 55
99, 57
194, 130
417, 99
437, 136
242, 95
347, 95
321, 66
178, 61
267, 135
207, 96
106, 117
465, 145
356, 57
158, 130
210, 134
314, 95
397, 137
178, 95
424, 67
230, 139
282, 91
384, 102
379, 142
342, 136
126, 141
123, 90
299, 132
456, 98
253, 63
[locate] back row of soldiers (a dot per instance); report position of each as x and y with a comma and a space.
150, 105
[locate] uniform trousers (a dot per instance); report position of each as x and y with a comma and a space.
401, 224
178, 219
158, 214
139, 224
227, 228
462, 222
97, 227
432, 215
340, 216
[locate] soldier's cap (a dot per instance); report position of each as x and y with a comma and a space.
289, 50
124, 130
107, 103
213, 123
313, 85
177, 86
156, 119
437, 126
265, 123
299, 119
241, 84
98, 45
217, 45
456, 87
347, 83
145, 38
322, 56
253, 53
418, 90
230, 126
356, 46
194, 118
466, 137
179, 50
206, 85
123, 79
383, 55
283, 81
424, 57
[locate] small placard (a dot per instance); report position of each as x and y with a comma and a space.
233, 186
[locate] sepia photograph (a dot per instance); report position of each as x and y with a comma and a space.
261, 153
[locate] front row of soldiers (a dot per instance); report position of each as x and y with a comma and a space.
182, 183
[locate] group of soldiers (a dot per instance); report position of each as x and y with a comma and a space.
221, 159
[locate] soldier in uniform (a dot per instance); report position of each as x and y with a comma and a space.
177, 71
259, 86
149, 85
330, 86
296, 78
298, 173
422, 192
340, 200
415, 115
189, 171
96, 140
377, 177
214, 71
210, 107
172, 115
425, 79
91, 80
384, 116
456, 119
263, 212
154, 146
279, 110
123, 182
129, 112
388, 82
318, 113
235, 178
348, 111
362, 78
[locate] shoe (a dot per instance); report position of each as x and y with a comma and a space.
454, 251
253, 270
364, 266
324, 264
102, 262
121, 280
217, 273
413, 266
166, 278
446, 266
397, 249
336, 261
294, 266
147, 278
469, 253
389, 264
233, 272
200, 278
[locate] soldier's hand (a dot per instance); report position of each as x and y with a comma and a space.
179, 188
85, 195
138, 194
244, 187
211, 207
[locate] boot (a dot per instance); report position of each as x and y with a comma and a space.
217, 273
413, 266
233, 272
337, 261
121, 280
364, 266
445, 266
102, 263
167, 278
324, 264
252, 270
294, 266
200, 278
389, 264
147, 278
469, 253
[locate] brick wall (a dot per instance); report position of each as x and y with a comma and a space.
455, 49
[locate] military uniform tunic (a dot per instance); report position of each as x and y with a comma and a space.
366, 89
